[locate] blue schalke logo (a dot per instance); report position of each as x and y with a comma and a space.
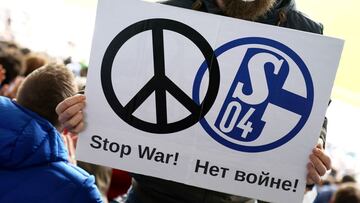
257, 97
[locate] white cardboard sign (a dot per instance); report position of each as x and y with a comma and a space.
244, 122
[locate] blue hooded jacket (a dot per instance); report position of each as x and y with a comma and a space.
33, 161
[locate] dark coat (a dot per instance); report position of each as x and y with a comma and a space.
294, 19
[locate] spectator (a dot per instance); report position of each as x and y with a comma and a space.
348, 179
326, 190
32, 62
347, 193
34, 163
12, 64
102, 176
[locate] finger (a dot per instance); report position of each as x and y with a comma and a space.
74, 139
73, 136
63, 136
319, 145
313, 176
317, 164
325, 159
71, 150
74, 121
71, 112
308, 178
70, 146
78, 128
62, 106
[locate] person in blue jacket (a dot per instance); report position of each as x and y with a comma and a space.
33, 157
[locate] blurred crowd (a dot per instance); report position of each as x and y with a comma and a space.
338, 189
16, 63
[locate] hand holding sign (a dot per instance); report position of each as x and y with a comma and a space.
70, 112
318, 165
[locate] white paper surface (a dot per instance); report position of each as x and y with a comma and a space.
273, 88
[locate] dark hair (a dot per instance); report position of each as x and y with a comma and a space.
44, 88
348, 179
32, 62
348, 193
12, 65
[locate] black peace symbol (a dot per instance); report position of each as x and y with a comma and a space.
160, 83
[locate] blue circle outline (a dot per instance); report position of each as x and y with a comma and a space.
286, 50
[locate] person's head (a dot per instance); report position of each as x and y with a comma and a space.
348, 179
32, 62
12, 65
348, 192
245, 9
9, 45
44, 88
